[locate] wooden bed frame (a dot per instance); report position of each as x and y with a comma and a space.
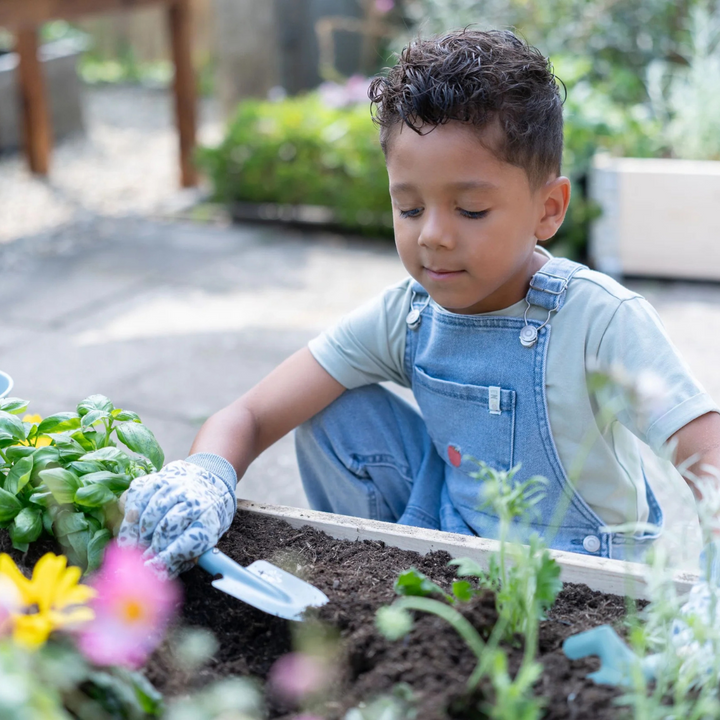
610, 576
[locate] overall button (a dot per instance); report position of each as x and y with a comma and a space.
413, 318
591, 543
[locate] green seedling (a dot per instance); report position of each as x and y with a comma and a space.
62, 476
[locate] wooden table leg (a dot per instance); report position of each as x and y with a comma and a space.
185, 96
36, 117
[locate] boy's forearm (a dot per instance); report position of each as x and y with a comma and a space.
232, 434
697, 456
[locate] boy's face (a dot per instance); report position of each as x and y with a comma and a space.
466, 223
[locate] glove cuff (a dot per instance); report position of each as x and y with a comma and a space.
219, 467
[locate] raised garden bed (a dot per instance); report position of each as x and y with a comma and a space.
356, 562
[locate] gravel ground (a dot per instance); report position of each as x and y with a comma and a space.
125, 164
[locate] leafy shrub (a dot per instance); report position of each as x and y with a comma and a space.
62, 475
303, 151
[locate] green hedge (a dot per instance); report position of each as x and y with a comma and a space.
300, 151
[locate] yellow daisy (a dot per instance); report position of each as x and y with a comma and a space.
52, 599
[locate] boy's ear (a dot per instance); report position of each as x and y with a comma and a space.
554, 200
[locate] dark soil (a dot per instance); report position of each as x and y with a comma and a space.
358, 577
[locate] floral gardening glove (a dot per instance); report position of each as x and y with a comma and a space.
179, 512
696, 633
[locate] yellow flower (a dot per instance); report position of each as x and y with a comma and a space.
52, 599
42, 440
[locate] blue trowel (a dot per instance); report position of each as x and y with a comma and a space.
262, 585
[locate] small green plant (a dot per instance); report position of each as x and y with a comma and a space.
303, 151
62, 475
525, 580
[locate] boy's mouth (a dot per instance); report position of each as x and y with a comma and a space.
442, 273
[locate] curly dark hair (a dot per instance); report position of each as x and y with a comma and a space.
477, 78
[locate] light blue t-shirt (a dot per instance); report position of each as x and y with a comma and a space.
602, 325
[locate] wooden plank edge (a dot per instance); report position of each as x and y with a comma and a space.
610, 576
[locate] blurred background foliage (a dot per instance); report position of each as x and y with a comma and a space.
642, 80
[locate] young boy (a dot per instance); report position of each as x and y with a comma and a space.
494, 336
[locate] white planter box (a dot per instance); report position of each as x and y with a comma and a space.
661, 218
610, 576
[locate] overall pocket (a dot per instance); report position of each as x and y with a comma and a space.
474, 420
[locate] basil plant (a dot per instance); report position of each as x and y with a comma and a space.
62, 476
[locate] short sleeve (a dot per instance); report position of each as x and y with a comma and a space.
666, 395
368, 345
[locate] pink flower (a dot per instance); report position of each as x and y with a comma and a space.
10, 602
132, 609
296, 675
384, 6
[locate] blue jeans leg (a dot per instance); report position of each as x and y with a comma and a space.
368, 454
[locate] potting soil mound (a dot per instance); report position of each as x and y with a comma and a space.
358, 578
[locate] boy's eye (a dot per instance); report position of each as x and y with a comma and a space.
474, 215
410, 213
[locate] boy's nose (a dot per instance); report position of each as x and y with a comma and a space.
436, 232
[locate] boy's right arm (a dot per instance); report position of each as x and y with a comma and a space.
183, 510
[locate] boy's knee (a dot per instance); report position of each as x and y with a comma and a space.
348, 405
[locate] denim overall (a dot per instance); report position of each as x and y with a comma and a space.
479, 382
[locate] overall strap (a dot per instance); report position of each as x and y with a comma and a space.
548, 287
549, 284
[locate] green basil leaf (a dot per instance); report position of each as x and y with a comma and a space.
126, 415
19, 451
116, 482
13, 405
96, 548
94, 495
27, 526
68, 522
63, 484
95, 402
60, 422
107, 453
12, 426
10, 506
141, 440
44, 458
43, 499
47, 522
83, 467
75, 545
84, 438
92, 417
68, 449
19, 475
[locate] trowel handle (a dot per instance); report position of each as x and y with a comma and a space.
217, 562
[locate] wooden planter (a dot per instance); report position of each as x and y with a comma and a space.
659, 217
609, 576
